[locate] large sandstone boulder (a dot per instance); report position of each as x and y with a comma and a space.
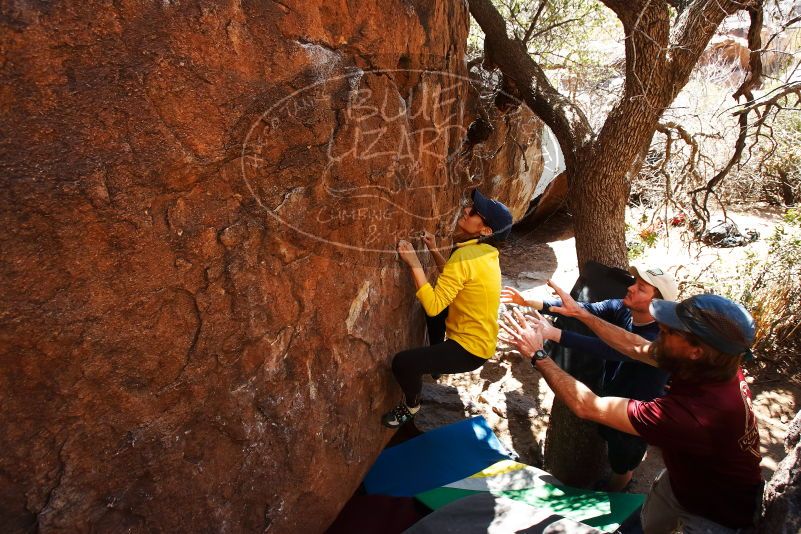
199, 204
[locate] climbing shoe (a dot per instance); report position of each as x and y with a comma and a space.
399, 415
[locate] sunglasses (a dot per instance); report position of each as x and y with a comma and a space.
472, 212
681, 333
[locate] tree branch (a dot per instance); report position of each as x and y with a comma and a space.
688, 139
626, 10
694, 28
755, 46
552, 27
700, 208
777, 94
534, 20
566, 120
780, 30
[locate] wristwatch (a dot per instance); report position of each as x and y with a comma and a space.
538, 355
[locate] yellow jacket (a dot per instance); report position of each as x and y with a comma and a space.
470, 283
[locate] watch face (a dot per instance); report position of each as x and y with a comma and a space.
540, 355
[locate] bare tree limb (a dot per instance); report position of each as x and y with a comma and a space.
700, 196
689, 140
700, 208
626, 10
780, 30
566, 120
534, 20
694, 27
775, 96
754, 45
664, 127
552, 27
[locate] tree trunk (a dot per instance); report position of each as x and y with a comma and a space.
599, 191
598, 204
661, 52
597, 201
574, 451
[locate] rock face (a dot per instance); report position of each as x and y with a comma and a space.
507, 158
782, 501
199, 295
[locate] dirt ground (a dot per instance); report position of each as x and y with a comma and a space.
516, 401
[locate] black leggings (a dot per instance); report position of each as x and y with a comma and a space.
442, 357
436, 327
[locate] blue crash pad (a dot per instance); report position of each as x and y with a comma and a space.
435, 458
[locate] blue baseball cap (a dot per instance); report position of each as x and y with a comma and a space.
495, 214
715, 320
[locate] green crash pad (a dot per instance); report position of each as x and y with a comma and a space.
535, 487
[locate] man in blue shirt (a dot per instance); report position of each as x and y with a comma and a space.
623, 377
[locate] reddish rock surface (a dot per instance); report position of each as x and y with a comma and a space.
198, 305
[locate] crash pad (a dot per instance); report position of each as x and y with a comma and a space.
435, 458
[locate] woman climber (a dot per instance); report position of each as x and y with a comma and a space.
462, 306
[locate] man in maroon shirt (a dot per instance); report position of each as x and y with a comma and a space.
704, 425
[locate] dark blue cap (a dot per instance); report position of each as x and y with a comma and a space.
715, 320
495, 215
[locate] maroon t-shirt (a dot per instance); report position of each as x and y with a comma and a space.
710, 443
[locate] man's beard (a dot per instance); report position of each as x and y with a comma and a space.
682, 368
678, 367
666, 360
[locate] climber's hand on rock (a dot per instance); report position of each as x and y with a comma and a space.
407, 253
429, 240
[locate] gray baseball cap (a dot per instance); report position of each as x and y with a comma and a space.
715, 320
